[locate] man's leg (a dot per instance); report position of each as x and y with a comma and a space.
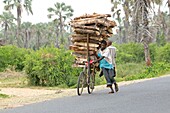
116, 87
109, 82
111, 75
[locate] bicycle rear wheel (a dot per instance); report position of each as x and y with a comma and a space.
91, 83
81, 83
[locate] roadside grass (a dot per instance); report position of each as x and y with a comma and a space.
135, 71
13, 79
125, 72
4, 96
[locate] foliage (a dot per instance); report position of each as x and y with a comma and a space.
60, 13
130, 52
152, 48
160, 39
12, 56
4, 96
157, 69
163, 53
51, 67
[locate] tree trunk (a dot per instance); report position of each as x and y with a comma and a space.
56, 41
126, 22
5, 31
146, 39
120, 35
26, 39
61, 29
18, 27
147, 54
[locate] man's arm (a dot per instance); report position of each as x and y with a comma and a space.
99, 59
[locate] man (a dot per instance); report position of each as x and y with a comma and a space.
112, 51
106, 65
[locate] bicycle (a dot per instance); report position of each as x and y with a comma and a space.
86, 78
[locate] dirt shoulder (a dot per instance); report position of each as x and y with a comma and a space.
23, 96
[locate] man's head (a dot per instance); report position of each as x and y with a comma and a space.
103, 44
109, 43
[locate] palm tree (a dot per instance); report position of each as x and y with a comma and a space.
60, 12
26, 32
18, 4
6, 19
141, 11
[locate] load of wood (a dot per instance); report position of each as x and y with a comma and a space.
96, 27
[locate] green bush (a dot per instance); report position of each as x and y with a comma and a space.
12, 56
153, 50
157, 69
131, 52
163, 53
128, 69
51, 67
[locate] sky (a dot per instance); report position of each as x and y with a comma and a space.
80, 7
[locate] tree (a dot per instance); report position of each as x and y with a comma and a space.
6, 20
60, 13
141, 12
126, 4
26, 33
18, 4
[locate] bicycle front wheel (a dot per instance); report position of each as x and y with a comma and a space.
91, 83
81, 83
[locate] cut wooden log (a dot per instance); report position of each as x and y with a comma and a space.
84, 52
104, 22
85, 31
92, 16
85, 44
86, 27
84, 35
85, 40
80, 62
85, 59
81, 59
105, 34
83, 56
78, 39
78, 48
78, 35
110, 31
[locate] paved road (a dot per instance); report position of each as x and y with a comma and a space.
151, 96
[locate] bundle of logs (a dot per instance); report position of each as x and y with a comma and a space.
96, 27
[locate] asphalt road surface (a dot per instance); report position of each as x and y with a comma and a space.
151, 96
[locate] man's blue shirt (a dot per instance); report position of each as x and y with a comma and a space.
104, 63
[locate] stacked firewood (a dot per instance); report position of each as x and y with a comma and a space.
95, 26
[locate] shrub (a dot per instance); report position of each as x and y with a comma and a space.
131, 52
163, 53
51, 67
157, 69
12, 56
153, 47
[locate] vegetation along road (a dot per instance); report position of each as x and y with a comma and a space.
144, 97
